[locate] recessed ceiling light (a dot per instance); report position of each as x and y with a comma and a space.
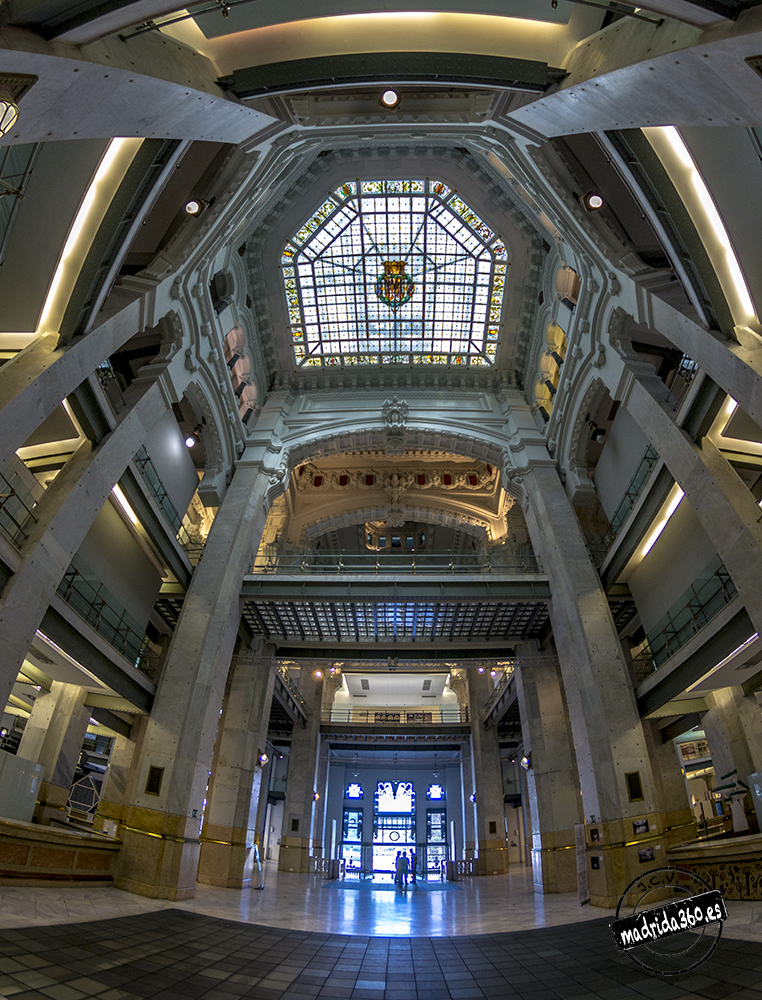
390, 98
592, 201
195, 206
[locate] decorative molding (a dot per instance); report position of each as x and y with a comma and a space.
395, 413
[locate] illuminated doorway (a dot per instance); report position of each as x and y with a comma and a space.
393, 824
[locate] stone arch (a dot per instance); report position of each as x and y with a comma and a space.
429, 515
212, 486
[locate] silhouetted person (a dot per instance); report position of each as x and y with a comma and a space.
404, 868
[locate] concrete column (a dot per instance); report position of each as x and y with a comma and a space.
120, 777
321, 786
734, 365
608, 735
53, 738
552, 780
299, 807
734, 733
33, 383
675, 808
230, 836
469, 809
65, 514
492, 853
723, 504
160, 835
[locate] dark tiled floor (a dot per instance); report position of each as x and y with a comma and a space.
173, 955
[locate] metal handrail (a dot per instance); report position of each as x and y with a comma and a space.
634, 488
375, 563
192, 547
392, 715
694, 609
292, 689
101, 610
14, 176
16, 508
501, 685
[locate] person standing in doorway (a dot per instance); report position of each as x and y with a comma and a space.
413, 866
404, 869
398, 869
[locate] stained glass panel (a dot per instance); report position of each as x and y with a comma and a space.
394, 272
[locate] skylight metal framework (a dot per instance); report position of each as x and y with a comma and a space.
349, 301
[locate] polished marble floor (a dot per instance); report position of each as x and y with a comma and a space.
302, 938
310, 903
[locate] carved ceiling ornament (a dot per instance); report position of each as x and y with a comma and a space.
395, 413
475, 479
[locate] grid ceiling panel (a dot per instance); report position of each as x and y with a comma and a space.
401, 621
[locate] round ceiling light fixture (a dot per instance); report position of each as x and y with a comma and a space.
190, 440
9, 111
195, 206
592, 201
390, 99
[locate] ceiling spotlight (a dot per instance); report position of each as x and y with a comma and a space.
493, 673
390, 98
190, 440
592, 201
195, 206
9, 111
481, 670
318, 675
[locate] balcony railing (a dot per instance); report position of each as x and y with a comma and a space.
634, 489
501, 685
704, 599
16, 508
292, 689
436, 715
93, 602
394, 563
112, 388
192, 547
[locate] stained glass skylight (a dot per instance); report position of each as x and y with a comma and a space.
394, 272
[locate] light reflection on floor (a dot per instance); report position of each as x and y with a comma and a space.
491, 904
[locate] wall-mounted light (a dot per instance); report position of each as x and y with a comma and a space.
124, 503
481, 670
9, 111
591, 201
315, 796
493, 672
472, 796
526, 762
597, 434
390, 99
318, 675
263, 759
194, 437
195, 206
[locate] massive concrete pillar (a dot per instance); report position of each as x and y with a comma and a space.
677, 815
230, 837
33, 383
734, 733
555, 804
299, 807
53, 737
723, 504
119, 781
65, 513
160, 832
491, 850
735, 365
469, 807
612, 758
